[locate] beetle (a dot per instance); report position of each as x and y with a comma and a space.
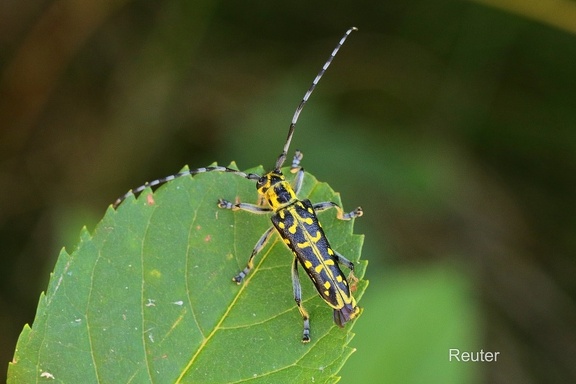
296, 222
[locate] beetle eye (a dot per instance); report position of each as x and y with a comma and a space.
262, 182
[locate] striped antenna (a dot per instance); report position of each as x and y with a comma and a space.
192, 172
284, 153
249, 176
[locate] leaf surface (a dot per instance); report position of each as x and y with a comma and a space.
149, 298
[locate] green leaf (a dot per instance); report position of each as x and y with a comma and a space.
149, 297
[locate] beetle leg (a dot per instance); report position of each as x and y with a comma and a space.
259, 245
298, 298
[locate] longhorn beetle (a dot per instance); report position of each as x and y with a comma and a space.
296, 222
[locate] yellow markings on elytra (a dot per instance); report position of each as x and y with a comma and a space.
316, 237
303, 245
313, 255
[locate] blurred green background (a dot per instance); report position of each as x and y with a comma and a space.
451, 122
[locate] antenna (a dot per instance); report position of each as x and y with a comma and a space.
284, 153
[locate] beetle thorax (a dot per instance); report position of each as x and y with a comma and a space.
276, 190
